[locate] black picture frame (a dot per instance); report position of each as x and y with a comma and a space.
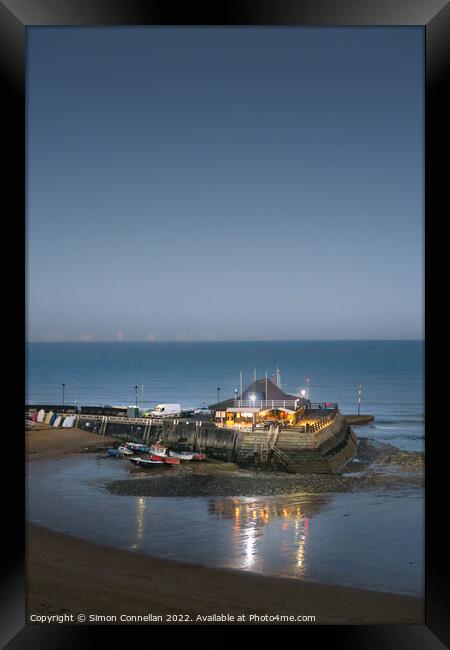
434, 16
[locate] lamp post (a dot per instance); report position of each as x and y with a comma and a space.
252, 399
136, 388
359, 397
307, 387
218, 394
63, 387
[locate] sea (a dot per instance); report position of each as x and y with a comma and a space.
194, 374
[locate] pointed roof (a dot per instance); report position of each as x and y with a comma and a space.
258, 389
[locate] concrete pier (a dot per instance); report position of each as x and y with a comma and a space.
322, 450
359, 419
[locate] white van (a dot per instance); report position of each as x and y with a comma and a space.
166, 410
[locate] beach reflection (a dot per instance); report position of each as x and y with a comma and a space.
266, 527
140, 523
258, 533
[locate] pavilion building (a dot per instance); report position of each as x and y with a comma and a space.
263, 401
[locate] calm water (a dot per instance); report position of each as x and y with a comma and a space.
105, 373
371, 539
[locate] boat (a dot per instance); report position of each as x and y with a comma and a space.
182, 455
145, 462
158, 450
124, 451
137, 446
166, 459
113, 452
199, 456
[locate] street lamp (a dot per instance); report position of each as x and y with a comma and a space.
63, 387
359, 397
218, 394
252, 399
136, 388
303, 392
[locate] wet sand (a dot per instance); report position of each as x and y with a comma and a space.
44, 442
379, 466
69, 575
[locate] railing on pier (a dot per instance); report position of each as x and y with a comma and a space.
318, 424
266, 404
293, 404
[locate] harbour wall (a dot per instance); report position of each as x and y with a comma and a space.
201, 436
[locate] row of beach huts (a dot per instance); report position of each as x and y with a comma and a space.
53, 419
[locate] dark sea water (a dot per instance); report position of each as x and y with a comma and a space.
391, 373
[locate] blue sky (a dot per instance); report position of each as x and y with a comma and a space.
225, 183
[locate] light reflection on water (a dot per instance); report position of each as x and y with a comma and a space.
250, 518
371, 539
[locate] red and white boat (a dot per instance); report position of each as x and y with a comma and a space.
166, 459
158, 450
145, 462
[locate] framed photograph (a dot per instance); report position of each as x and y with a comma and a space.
228, 324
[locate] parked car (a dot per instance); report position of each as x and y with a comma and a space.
187, 413
166, 410
204, 410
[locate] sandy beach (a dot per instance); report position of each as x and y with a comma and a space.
67, 575
45, 442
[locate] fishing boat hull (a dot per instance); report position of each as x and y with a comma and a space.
171, 461
181, 455
145, 462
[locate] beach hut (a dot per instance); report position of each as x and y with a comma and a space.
48, 417
68, 422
